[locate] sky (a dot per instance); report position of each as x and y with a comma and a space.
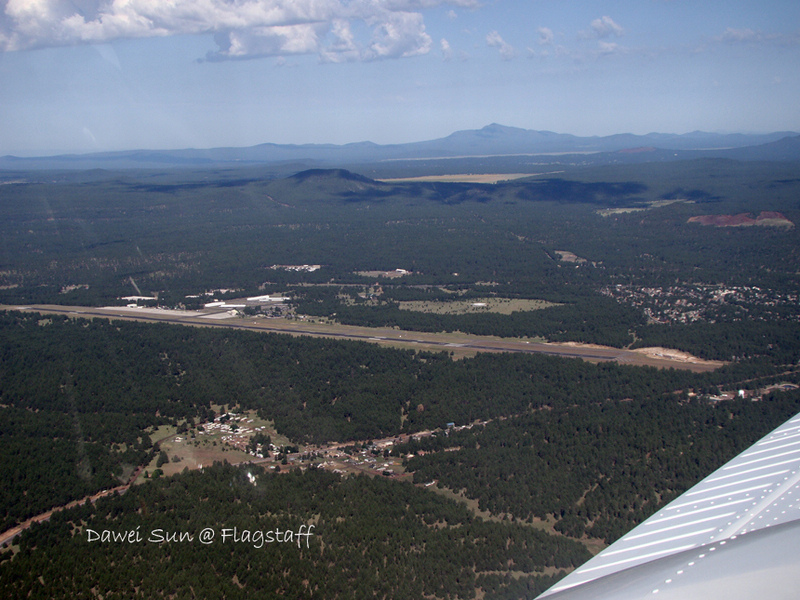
84, 76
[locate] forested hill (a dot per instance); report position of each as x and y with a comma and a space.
346, 186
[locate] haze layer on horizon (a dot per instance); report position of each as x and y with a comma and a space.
91, 75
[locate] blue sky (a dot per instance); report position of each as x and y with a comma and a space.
95, 75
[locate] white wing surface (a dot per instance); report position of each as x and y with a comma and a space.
734, 535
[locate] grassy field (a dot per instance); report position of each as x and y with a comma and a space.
463, 178
503, 306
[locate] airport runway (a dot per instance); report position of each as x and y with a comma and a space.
432, 341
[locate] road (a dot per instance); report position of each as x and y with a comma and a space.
458, 343
10, 534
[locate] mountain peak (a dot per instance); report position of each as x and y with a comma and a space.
496, 128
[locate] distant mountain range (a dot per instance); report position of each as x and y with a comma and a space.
492, 140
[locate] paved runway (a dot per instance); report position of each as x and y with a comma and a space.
216, 318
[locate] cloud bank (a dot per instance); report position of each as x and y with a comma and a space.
241, 28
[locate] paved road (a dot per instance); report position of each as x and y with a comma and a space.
378, 335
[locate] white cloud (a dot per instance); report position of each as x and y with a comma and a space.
750, 36
606, 27
739, 35
344, 47
607, 47
242, 28
281, 40
495, 40
447, 51
545, 36
398, 34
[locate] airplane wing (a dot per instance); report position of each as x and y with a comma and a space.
735, 535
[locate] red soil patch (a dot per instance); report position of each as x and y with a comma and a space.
743, 220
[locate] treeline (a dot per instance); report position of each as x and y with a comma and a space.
600, 468
371, 538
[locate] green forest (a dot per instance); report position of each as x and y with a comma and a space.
516, 467
599, 469
385, 539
